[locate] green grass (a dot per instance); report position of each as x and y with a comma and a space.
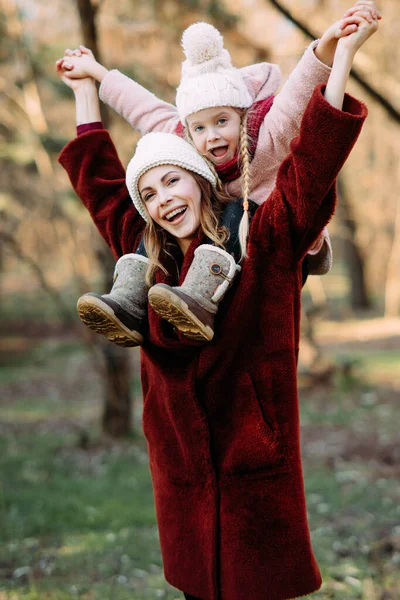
79, 523
76, 522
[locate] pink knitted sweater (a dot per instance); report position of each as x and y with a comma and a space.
145, 112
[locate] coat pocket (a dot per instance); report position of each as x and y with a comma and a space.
263, 394
250, 438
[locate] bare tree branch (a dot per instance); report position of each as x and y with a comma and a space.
355, 74
12, 243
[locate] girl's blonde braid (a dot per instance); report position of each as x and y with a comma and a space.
245, 168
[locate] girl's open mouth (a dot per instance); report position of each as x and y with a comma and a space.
220, 151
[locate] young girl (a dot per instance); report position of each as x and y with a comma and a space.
221, 420
218, 106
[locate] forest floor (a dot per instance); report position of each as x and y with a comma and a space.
76, 510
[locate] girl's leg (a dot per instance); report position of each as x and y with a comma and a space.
192, 306
121, 315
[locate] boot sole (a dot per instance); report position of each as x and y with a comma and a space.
175, 310
100, 317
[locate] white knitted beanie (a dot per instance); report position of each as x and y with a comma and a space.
208, 78
155, 149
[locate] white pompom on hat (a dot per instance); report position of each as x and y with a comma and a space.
208, 77
155, 149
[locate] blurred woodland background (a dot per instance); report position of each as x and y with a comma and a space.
76, 512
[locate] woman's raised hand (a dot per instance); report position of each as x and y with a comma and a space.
363, 9
84, 86
344, 55
366, 26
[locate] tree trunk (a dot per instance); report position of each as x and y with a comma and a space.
392, 291
117, 413
87, 14
117, 407
352, 257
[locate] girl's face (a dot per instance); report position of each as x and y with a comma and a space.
215, 133
173, 198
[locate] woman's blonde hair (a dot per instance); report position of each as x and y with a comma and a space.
244, 164
158, 241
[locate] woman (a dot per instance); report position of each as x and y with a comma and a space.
221, 420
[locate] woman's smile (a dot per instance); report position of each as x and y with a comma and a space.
173, 198
175, 215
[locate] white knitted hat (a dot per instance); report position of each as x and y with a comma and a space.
155, 149
208, 78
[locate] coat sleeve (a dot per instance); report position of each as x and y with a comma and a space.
304, 197
98, 178
142, 109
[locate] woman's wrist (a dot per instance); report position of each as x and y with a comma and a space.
86, 88
336, 86
87, 104
344, 54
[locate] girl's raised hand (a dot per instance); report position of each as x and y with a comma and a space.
79, 51
80, 63
78, 66
75, 84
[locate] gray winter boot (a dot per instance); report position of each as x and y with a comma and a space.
120, 315
192, 306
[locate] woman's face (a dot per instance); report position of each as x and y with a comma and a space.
215, 133
172, 198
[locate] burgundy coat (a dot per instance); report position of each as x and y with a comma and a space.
221, 419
